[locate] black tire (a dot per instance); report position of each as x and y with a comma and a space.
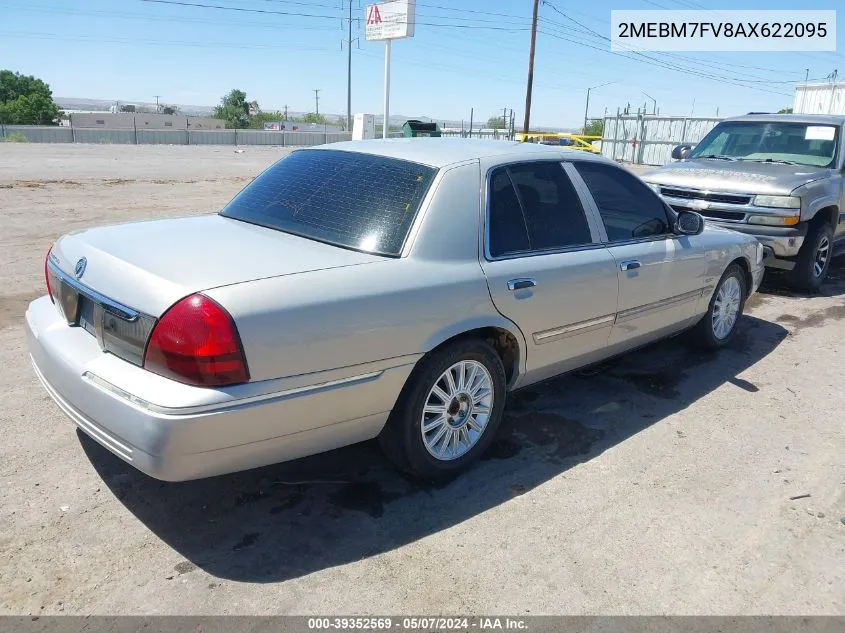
402, 438
704, 332
805, 276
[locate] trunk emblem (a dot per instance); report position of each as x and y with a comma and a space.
79, 269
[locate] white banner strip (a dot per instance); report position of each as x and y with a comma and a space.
722, 30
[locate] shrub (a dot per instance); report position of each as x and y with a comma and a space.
16, 137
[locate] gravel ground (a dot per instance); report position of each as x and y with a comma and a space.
660, 483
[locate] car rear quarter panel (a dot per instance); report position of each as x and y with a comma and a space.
396, 308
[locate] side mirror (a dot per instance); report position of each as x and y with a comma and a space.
680, 152
689, 223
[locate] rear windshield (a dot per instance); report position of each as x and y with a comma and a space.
353, 200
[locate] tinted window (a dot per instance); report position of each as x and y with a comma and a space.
352, 200
629, 209
508, 233
553, 211
534, 206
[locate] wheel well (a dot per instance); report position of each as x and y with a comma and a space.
829, 215
501, 340
749, 280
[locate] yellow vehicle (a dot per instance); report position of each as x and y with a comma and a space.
573, 141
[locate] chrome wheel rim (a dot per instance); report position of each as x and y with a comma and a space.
457, 410
822, 253
726, 307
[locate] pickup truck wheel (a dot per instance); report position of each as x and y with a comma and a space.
813, 259
448, 412
718, 326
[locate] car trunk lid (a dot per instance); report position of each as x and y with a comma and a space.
116, 281
150, 265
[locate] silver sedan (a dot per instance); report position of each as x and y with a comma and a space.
395, 289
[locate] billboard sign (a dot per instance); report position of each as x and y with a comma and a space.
390, 20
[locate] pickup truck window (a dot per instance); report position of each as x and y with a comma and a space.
535, 207
628, 208
811, 144
348, 199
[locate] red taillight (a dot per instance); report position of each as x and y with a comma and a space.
47, 274
196, 342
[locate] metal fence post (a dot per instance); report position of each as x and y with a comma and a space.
615, 133
684, 132
639, 158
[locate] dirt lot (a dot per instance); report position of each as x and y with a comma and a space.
659, 483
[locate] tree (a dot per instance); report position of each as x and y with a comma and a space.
496, 123
311, 117
170, 109
594, 128
25, 100
257, 120
785, 111
234, 109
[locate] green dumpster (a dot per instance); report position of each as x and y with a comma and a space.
413, 128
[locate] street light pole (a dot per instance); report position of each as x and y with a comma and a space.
654, 109
587, 107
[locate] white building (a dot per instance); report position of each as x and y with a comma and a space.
820, 98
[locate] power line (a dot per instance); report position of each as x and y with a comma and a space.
714, 64
52, 10
243, 9
127, 40
663, 63
328, 17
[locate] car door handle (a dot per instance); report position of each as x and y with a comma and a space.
521, 283
630, 264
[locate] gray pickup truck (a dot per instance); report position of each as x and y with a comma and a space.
778, 177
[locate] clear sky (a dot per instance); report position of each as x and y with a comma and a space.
466, 53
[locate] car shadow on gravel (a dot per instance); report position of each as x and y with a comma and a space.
285, 521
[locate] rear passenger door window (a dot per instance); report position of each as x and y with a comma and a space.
628, 208
534, 207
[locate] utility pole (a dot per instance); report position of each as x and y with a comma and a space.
349, 41
530, 85
156, 98
286, 113
317, 99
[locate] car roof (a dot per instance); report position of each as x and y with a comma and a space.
792, 118
440, 152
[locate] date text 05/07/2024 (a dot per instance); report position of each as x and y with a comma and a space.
416, 623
